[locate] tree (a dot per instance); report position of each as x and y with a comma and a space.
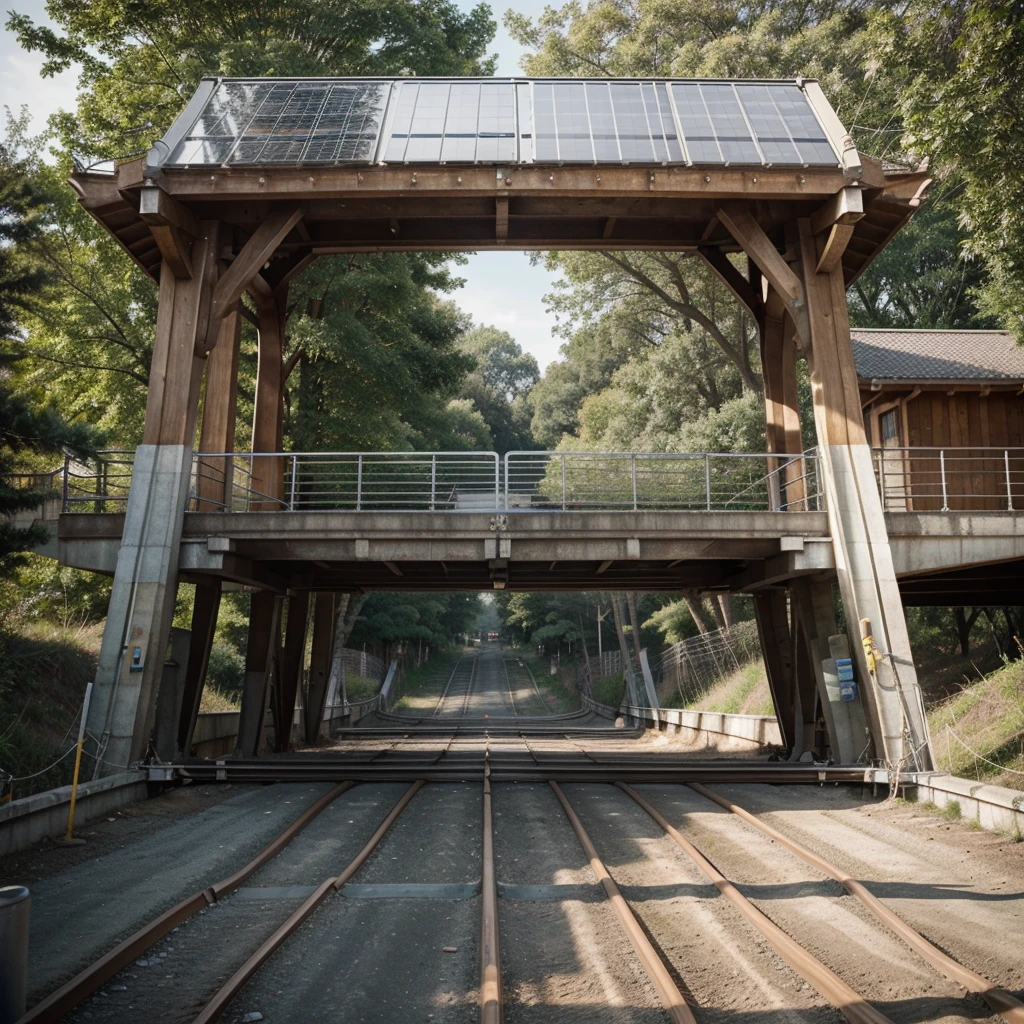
138, 58
497, 386
960, 67
28, 428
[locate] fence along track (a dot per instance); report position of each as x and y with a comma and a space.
56, 1005
1008, 1006
670, 996
840, 995
215, 1008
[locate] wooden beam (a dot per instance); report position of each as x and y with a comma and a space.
603, 567
169, 223
261, 292
845, 207
609, 227
247, 314
501, 218
732, 278
260, 247
394, 568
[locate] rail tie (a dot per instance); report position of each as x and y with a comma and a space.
1007, 1005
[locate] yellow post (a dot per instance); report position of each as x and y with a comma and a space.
78, 762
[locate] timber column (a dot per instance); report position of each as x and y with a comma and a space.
815, 298
145, 580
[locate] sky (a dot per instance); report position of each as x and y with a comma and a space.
502, 288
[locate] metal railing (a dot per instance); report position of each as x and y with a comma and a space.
950, 479
679, 482
348, 481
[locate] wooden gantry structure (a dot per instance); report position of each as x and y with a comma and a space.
259, 177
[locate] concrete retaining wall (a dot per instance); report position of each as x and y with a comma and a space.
27, 821
710, 729
992, 807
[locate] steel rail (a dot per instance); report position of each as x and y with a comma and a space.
59, 1003
215, 1008
829, 985
1008, 1006
490, 960
669, 994
469, 689
447, 686
508, 683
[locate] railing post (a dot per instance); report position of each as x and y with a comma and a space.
881, 480
1009, 487
942, 470
497, 480
433, 480
563, 481
295, 478
632, 469
359, 484
707, 480
65, 491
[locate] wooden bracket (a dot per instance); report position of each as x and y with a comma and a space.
730, 276
169, 223
247, 264
743, 227
833, 226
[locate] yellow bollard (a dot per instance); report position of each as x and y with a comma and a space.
78, 765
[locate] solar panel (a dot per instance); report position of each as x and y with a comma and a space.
294, 122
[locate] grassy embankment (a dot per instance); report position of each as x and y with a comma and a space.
559, 698
421, 688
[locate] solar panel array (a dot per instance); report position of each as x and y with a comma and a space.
259, 122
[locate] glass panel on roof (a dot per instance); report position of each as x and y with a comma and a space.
770, 128
318, 121
698, 134
602, 122
808, 136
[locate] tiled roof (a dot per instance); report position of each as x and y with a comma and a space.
883, 354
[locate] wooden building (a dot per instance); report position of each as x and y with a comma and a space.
944, 411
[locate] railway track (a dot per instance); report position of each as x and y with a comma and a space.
647, 938
455, 697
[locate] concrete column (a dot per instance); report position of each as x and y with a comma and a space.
145, 579
867, 580
319, 666
204, 625
261, 661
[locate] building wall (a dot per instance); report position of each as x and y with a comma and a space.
972, 443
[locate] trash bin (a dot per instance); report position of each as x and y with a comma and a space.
14, 908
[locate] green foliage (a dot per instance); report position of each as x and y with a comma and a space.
435, 619
959, 68
226, 670
498, 385
924, 277
138, 58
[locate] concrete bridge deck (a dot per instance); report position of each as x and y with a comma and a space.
940, 557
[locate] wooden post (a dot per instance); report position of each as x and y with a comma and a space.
220, 401
867, 579
782, 412
319, 665
261, 657
204, 624
268, 413
287, 687
773, 629
141, 606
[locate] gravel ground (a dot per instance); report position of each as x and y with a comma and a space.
173, 980
80, 914
385, 949
828, 922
